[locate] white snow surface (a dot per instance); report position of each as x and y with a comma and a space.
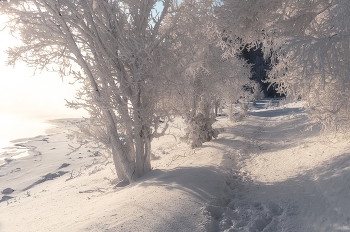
270, 172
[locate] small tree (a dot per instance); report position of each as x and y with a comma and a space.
191, 94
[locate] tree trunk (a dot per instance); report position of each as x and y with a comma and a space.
147, 163
230, 114
121, 172
142, 148
139, 148
122, 156
125, 168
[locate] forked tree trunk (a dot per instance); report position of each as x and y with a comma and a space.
123, 162
131, 166
143, 151
131, 160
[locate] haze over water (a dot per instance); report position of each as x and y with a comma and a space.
15, 126
28, 98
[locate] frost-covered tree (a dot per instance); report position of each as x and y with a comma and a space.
191, 92
238, 88
313, 60
308, 45
125, 63
200, 91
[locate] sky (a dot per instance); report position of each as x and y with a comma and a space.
24, 93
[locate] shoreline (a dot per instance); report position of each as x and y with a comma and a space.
28, 160
19, 148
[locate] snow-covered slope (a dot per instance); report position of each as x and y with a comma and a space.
269, 172
56, 190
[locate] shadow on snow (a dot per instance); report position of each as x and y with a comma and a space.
318, 201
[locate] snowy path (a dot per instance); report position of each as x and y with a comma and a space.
289, 178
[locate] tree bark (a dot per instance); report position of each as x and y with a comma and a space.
230, 114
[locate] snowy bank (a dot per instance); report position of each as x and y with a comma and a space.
56, 189
269, 172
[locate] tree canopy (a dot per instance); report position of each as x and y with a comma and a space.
308, 47
143, 62
133, 58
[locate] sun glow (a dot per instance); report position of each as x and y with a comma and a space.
25, 92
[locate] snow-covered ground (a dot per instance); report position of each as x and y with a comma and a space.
270, 172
